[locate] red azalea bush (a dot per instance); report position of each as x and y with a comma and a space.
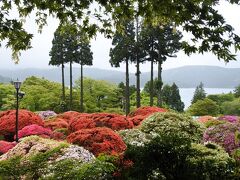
138, 115
98, 140
87, 121
35, 130
8, 120
69, 115
56, 123
6, 146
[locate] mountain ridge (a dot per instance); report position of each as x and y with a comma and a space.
185, 76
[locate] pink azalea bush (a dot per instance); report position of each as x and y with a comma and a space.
226, 135
35, 129
6, 146
229, 118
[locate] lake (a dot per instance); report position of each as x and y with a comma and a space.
187, 93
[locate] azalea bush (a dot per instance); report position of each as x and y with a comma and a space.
226, 135
146, 111
98, 140
35, 130
229, 118
112, 121
8, 121
46, 114
6, 146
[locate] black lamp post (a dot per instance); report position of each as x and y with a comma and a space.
17, 85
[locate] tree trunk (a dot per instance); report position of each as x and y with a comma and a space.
70, 103
63, 84
81, 90
127, 90
159, 90
151, 80
138, 95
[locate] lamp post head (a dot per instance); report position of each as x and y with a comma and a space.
17, 84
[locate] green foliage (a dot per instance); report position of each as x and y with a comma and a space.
237, 91
231, 107
209, 161
100, 95
199, 93
41, 95
171, 97
7, 99
146, 88
213, 122
220, 99
11, 169
204, 107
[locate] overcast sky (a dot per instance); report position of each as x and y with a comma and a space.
38, 56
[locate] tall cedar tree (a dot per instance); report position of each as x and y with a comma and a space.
85, 57
75, 48
139, 58
160, 42
199, 93
58, 58
123, 51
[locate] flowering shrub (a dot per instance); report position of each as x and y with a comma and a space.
8, 120
46, 114
6, 146
69, 115
34, 130
229, 118
146, 111
136, 120
98, 140
56, 123
87, 121
204, 119
171, 124
225, 135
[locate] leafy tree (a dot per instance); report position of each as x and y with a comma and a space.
6, 91
220, 99
199, 93
231, 107
123, 51
204, 107
100, 95
175, 99
237, 91
155, 87
160, 42
209, 29
41, 95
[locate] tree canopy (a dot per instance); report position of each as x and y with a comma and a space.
199, 18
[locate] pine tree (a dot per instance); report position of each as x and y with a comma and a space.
175, 99
199, 93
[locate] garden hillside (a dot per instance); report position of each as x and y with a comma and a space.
149, 143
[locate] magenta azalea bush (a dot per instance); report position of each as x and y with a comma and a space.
46, 114
35, 129
226, 135
229, 118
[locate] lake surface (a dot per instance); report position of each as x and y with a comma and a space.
187, 93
